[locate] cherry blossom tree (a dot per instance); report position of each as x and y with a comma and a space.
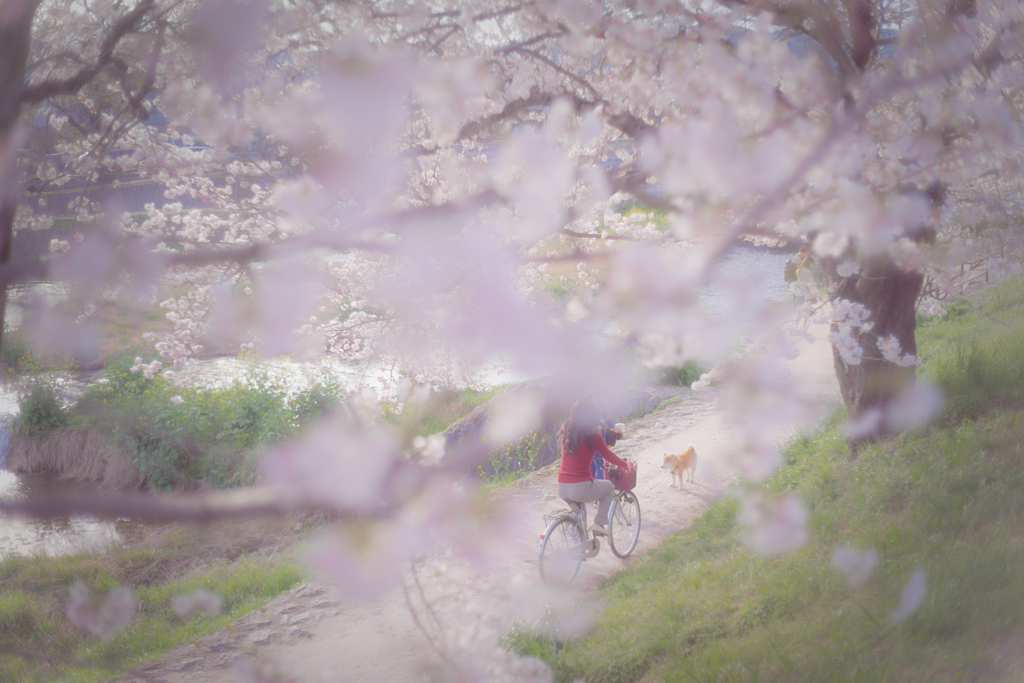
406, 185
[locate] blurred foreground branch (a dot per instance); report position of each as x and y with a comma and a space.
197, 508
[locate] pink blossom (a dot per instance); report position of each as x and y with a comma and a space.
855, 565
201, 600
512, 415
915, 407
332, 465
774, 526
911, 598
101, 617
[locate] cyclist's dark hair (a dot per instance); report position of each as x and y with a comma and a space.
584, 417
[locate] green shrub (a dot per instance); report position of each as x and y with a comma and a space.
182, 434
680, 375
41, 407
156, 459
310, 403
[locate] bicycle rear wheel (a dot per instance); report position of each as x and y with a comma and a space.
560, 559
624, 526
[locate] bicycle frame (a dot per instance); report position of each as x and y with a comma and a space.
565, 529
578, 516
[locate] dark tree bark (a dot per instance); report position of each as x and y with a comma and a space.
851, 39
891, 296
15, 36
16, 17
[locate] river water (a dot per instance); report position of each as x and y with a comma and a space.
67, 535
61, 535
760, 269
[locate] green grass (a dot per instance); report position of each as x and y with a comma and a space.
443, 410
973, 353
224, 560
949, 500
671, 400
682, 375
494, 482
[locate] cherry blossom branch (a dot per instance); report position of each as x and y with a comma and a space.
423, 594
493, 14
34, 94
595, 236
198, 509
474, 128
437, 43
33, 269
568, 74
891, 84
823, 29
518, 47
426, 29
419, 624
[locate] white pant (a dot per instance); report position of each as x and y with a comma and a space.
600, 490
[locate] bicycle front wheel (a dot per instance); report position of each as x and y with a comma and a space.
560, 557
624, 526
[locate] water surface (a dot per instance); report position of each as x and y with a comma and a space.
60, 535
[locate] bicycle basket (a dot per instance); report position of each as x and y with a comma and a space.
624, 480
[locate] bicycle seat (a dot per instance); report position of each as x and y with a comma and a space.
574, 505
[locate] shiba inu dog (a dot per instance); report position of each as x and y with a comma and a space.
678, 464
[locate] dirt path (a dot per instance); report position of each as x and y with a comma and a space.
313, 634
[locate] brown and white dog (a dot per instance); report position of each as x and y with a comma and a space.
678, 464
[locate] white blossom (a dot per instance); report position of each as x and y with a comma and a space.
847, 268
889, 346
431, 448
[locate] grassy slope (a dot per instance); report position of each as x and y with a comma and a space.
950, 500
236, 560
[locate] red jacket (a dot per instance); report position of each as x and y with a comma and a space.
576, 466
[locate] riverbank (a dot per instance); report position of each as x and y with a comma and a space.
912, 569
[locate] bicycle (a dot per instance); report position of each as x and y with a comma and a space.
567, 542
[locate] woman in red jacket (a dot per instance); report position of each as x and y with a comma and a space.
580, 440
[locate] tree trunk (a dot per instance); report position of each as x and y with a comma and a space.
890, 293
15, 33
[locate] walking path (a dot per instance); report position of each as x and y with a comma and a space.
313, 634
